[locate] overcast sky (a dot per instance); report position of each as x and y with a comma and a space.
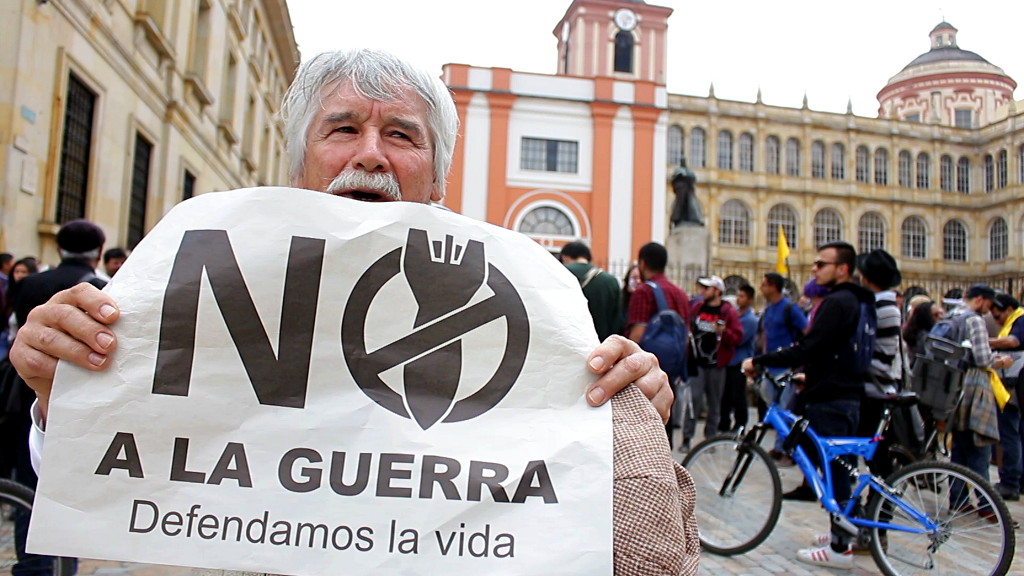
833, 51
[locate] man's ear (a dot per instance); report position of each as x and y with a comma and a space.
436, 194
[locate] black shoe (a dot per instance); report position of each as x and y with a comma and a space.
801, 493
1007, 493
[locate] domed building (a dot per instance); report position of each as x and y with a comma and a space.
948, 85
937, 178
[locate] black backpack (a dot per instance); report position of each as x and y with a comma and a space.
666, 337
864, 337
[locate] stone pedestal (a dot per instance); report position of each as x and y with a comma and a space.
688, 246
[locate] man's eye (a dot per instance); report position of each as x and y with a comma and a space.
401, 135
345, 129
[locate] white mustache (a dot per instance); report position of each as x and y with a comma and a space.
382, 182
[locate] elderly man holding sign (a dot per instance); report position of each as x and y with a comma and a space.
374, 463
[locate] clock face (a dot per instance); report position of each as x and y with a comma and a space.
625, 19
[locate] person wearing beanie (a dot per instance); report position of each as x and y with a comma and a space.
879, 273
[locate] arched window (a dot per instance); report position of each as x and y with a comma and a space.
698, 154
817, 159
771, 155
675, 145
548, 222
998, 240
624, 51
954, 241
913, 238
924, 168
946, 173
734, 224
746, 152
870, 232
828, 226
882, 167
792, 157
990, 175
963, 175
904, 174
782, 214
725, 150
1001, 171
838, 161
863, 159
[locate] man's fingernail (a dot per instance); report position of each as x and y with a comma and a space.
107, 310
596, 395
97, 359
597, 363
104, 340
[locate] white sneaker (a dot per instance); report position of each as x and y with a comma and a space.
826, 556
822, 539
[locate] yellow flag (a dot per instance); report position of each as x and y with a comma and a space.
780, 263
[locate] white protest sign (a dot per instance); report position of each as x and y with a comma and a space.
305, 384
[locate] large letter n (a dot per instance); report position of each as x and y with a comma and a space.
278, 380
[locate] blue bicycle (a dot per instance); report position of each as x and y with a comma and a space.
928, 517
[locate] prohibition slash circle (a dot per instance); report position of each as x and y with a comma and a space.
366, 367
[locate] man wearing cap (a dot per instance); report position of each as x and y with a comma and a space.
601, 289
716, 330
879, 274
1010, 340
80, 243
976, 424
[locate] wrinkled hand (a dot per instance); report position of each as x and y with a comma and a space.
71, 326
621, 362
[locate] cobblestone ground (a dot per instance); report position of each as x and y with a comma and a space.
777, 555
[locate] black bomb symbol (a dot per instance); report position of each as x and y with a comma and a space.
442, 283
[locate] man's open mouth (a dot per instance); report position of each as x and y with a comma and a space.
364, 195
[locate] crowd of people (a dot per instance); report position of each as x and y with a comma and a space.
367, 126
811, 331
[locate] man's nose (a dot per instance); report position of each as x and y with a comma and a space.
370, 155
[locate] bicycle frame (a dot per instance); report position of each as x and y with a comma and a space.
784, 422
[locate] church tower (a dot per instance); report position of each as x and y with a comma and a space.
622, 39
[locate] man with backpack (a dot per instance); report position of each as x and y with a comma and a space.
835, 369
648, 324
715, 331
975, 422
599, 287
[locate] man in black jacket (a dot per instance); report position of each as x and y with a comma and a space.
80, 243
830, 398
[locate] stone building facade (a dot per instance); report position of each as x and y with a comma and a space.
937, 179
116, 110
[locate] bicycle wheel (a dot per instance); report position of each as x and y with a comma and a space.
739, 494
975, 532
15, 506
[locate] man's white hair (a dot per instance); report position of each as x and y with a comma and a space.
376, 75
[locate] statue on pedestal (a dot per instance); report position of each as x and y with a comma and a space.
685, 207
